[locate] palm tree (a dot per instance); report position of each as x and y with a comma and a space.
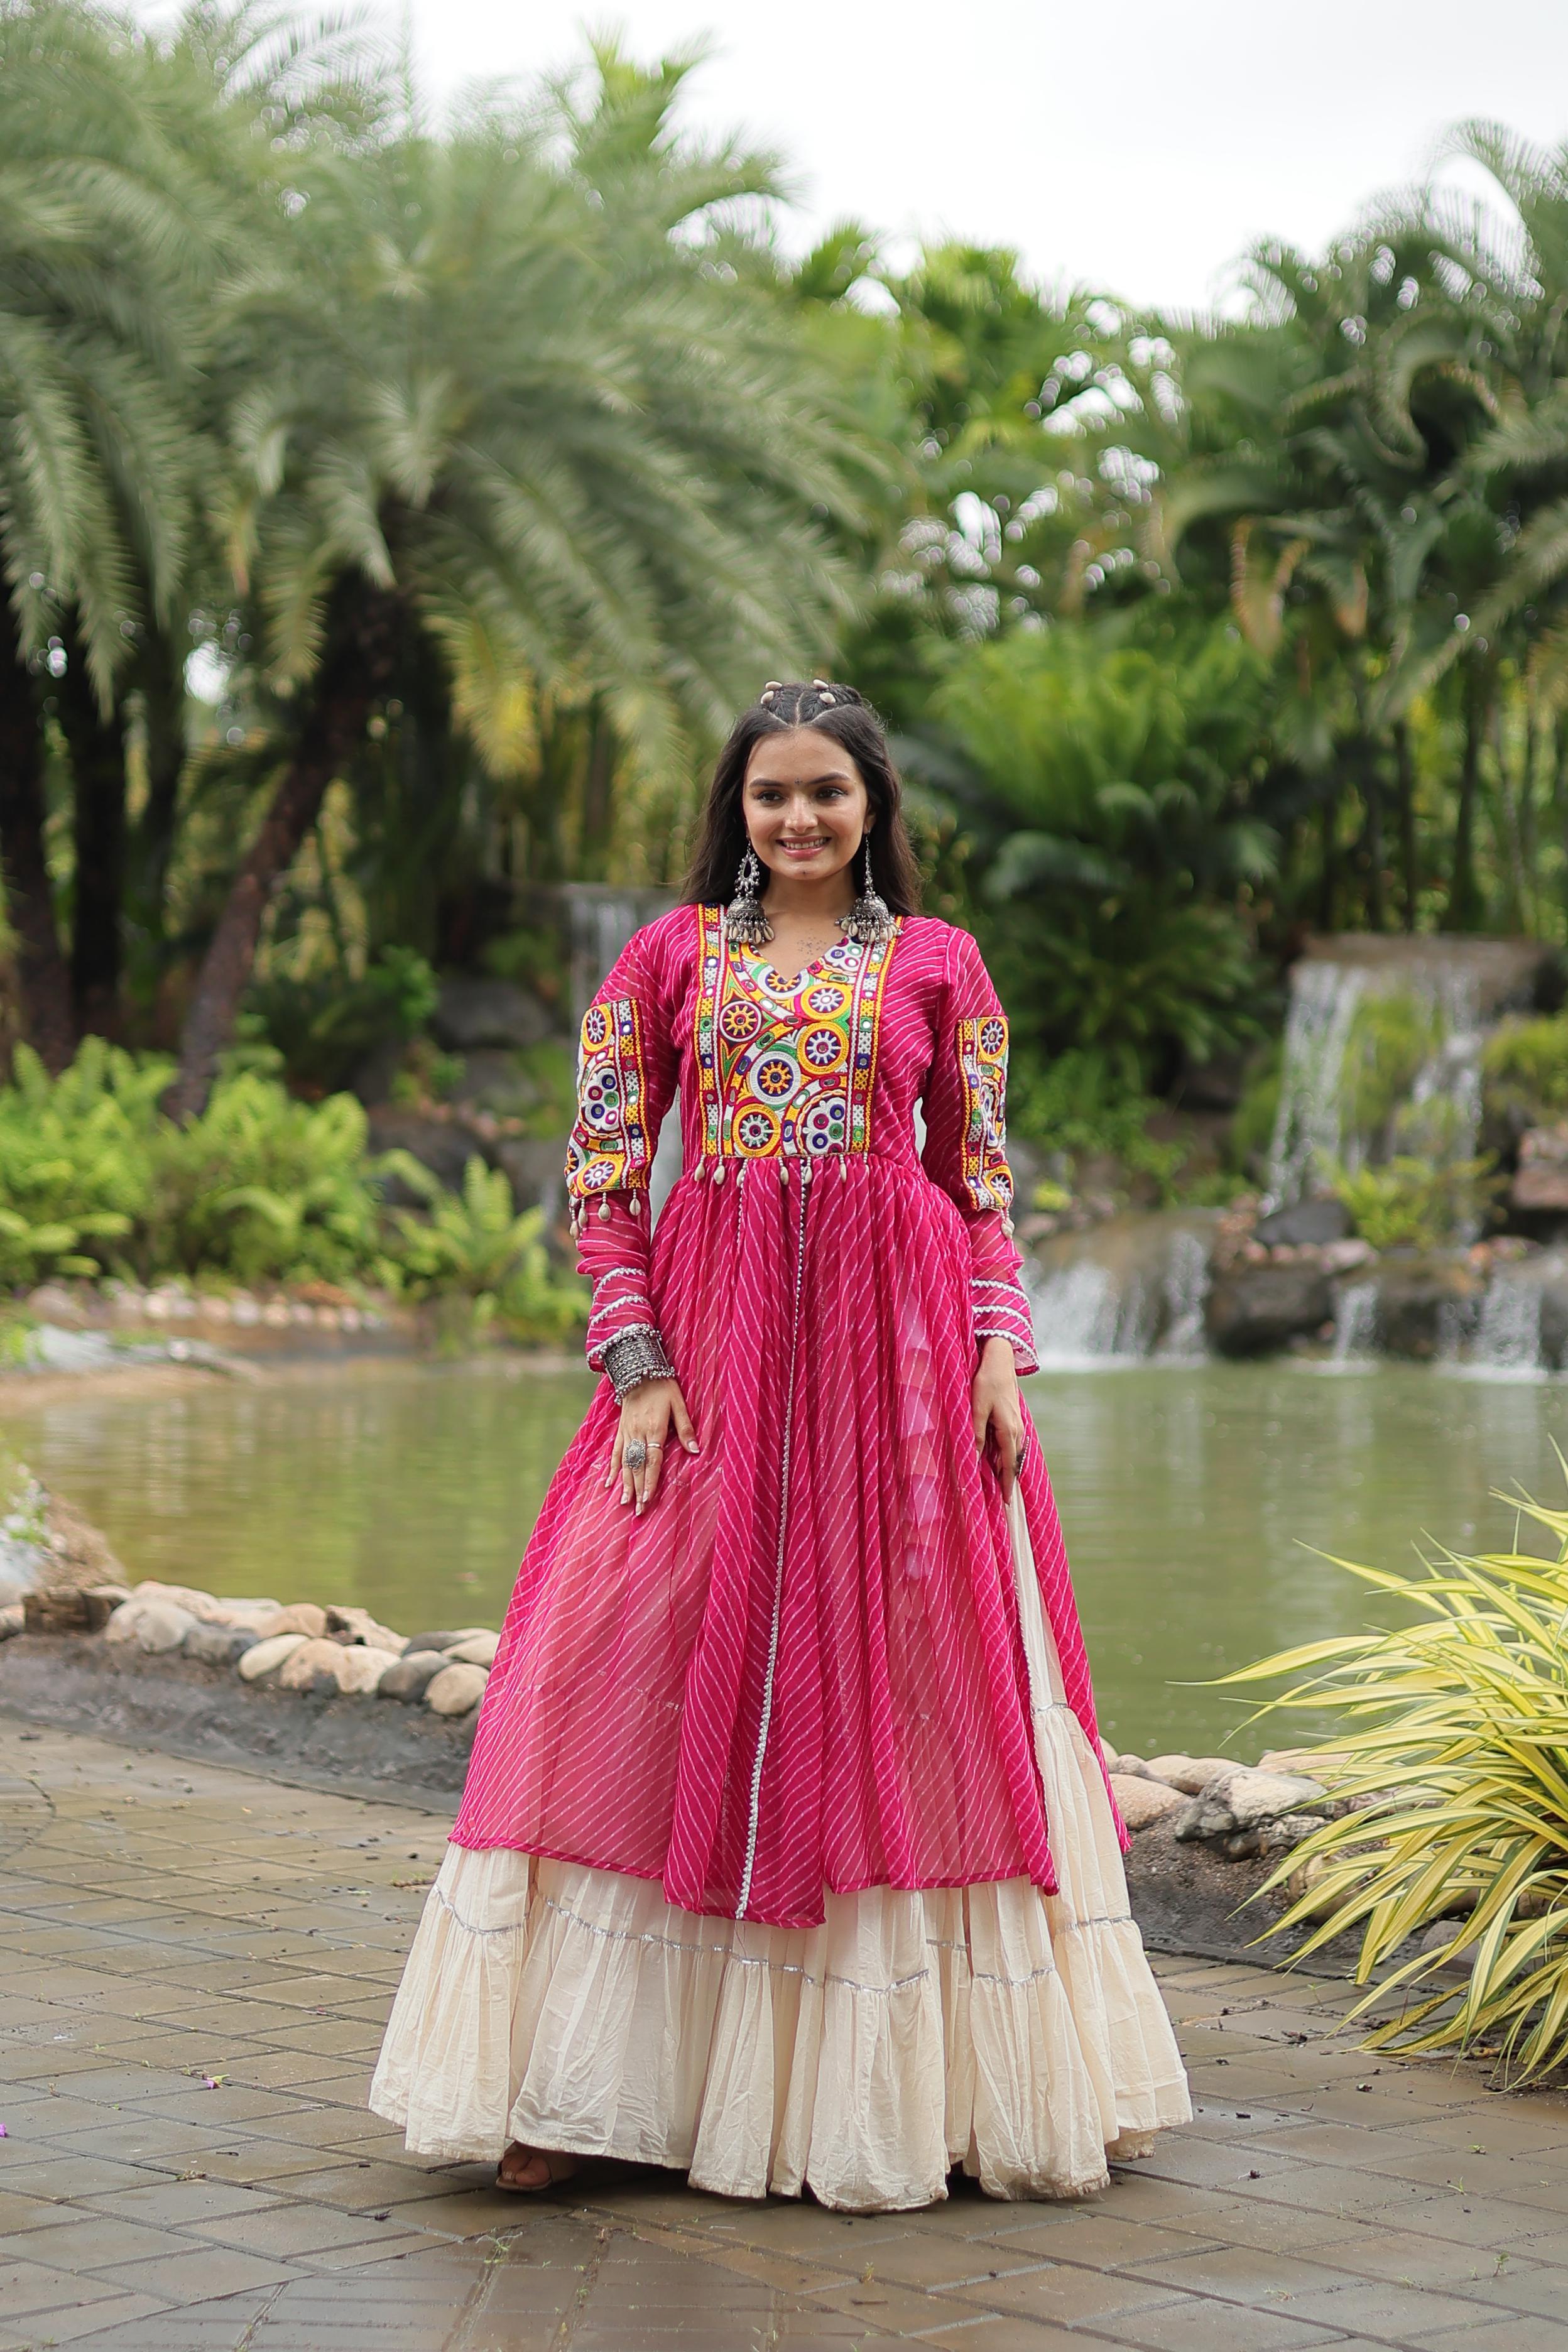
1338, 421
99, 340
493, 404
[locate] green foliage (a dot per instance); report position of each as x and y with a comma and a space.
1087, 1104
262, 1188
74, 1161
1524, 1069
1415, 1204
1392, 1039
325, 1026
1107, 792
1449, 1760
1252, 1128
475, 1249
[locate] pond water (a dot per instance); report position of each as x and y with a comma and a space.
1188, 1494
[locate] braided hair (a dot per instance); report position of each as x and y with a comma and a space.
833, 710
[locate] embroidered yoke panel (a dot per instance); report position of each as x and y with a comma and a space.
787, 1066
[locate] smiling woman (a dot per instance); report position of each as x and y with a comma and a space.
787, 1855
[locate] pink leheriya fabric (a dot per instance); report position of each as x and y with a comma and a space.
802, 1668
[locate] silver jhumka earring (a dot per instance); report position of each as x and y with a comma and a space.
743, 916
870, 917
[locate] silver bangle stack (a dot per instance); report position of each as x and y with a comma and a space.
635, 1357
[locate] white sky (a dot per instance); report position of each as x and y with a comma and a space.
1140, 146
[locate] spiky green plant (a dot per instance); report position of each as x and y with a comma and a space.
1450, 1773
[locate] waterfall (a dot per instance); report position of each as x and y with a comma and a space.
1356, 1324
1440, 1110
1186, 1284
1129, 1292
1307, 1125
1507, 1343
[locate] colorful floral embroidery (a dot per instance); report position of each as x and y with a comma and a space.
787, 1066
609, 1143
983, 1064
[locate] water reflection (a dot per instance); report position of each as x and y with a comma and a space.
1187, 1493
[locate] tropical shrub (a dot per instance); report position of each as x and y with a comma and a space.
1524, 1069
1451, 1763
95, 1179
325, 1025
473, 1247
1409, 1202
74, 1166
1107, 792
1087, 1104
264, 1187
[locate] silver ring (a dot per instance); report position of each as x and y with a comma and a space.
634, 1455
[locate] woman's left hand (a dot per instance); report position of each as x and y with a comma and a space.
997, 1410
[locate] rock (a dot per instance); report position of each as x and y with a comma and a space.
1540, 1186
299, 1617
474, 1013
358, 1626
1422, 1301
443, 1145
1444, 1932
1343, 1257
496, 1081
410, 1677
313, 1662
207, 1606
1306, 1224
1241, 1798
83, 1609
457, 1690
1143, 1802
361, 1667
480, 1650
1307, 1880
161, 1626
1190, 1774
1252, 1310
1303, 1761
218, 1645
263, 1657
532, 1167
444, 1641
1279, 1836
13, 1618
52, 1303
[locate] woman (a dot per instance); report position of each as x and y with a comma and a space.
787, 1855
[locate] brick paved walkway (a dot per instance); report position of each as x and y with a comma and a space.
194, 1965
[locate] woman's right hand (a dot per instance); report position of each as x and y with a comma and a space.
650, 1411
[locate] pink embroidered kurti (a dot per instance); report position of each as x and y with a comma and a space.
802, 1669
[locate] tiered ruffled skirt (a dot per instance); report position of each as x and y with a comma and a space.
1017, 2034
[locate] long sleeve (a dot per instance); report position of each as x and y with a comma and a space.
626, 1082
966, 1144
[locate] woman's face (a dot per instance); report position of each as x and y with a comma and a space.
805, 804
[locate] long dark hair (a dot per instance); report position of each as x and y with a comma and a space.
848, 717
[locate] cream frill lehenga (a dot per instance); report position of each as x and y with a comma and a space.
787, 1855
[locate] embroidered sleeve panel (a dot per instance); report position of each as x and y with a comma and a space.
982, 1049
612, 1146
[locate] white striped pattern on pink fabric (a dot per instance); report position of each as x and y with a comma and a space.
752, 1703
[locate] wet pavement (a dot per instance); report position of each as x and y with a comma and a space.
196, 1964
